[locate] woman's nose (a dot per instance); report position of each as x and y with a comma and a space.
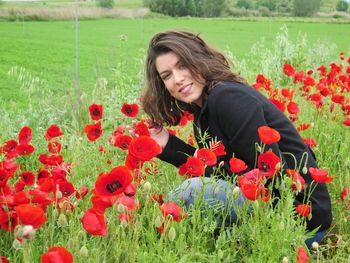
178, 77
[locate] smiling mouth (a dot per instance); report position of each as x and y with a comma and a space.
185, 88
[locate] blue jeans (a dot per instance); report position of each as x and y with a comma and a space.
217, 195
318, 237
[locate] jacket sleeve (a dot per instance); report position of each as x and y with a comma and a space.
239, 115
176, 151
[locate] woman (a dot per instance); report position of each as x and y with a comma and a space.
184, 74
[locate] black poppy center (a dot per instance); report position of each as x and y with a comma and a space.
128, 109
96, 112
265, 167
25, 177
125, 145
66, 192
96, 131
114, 186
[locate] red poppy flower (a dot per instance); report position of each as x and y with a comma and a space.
251, 190
288, 70
93, 131
345, 194
3, 259
268, 135
8, 220
303, 126
25, 149
54, 147
42, 174
94, 222
316, 99
319, 175
195, 166
183, 121
182, 170
19, 186
127, 201
52, 132
309, 81
130, 110
130, 190
157, 198
218, 148
133, 163
237, 165
122, 141
144, 148
293, 108
303, 210
322, 70
347, 122
302, 256
66, 188
141, 128
336, 98
96, 111
268, 163
280, 105
41, 198
298, 181
25, 135
57, 255
3, 177
299, 76
173, 210
21, 197
114, 182
10, 149
28, 178
30, 215
310, 142
207, 156
81, 192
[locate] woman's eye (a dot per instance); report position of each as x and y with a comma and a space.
165, 77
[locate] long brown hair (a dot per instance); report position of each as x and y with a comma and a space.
200, 59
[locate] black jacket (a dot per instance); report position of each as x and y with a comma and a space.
232, 113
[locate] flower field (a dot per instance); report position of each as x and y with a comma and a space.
77, 185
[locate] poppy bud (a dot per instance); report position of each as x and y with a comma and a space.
84, 252
124, 224
158, 222
62, 220
298, 185
59, 194
16, 244
121, 208
70, 242
256, 204
285, 260
304, 171
220, 254
314, 245
172, 234
281, 225
28, 232
147, 186
236, 193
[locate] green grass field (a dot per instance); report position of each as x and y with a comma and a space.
47, 49
37, 72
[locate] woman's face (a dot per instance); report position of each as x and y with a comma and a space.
178, 80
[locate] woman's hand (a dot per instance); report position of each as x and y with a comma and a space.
160, 135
